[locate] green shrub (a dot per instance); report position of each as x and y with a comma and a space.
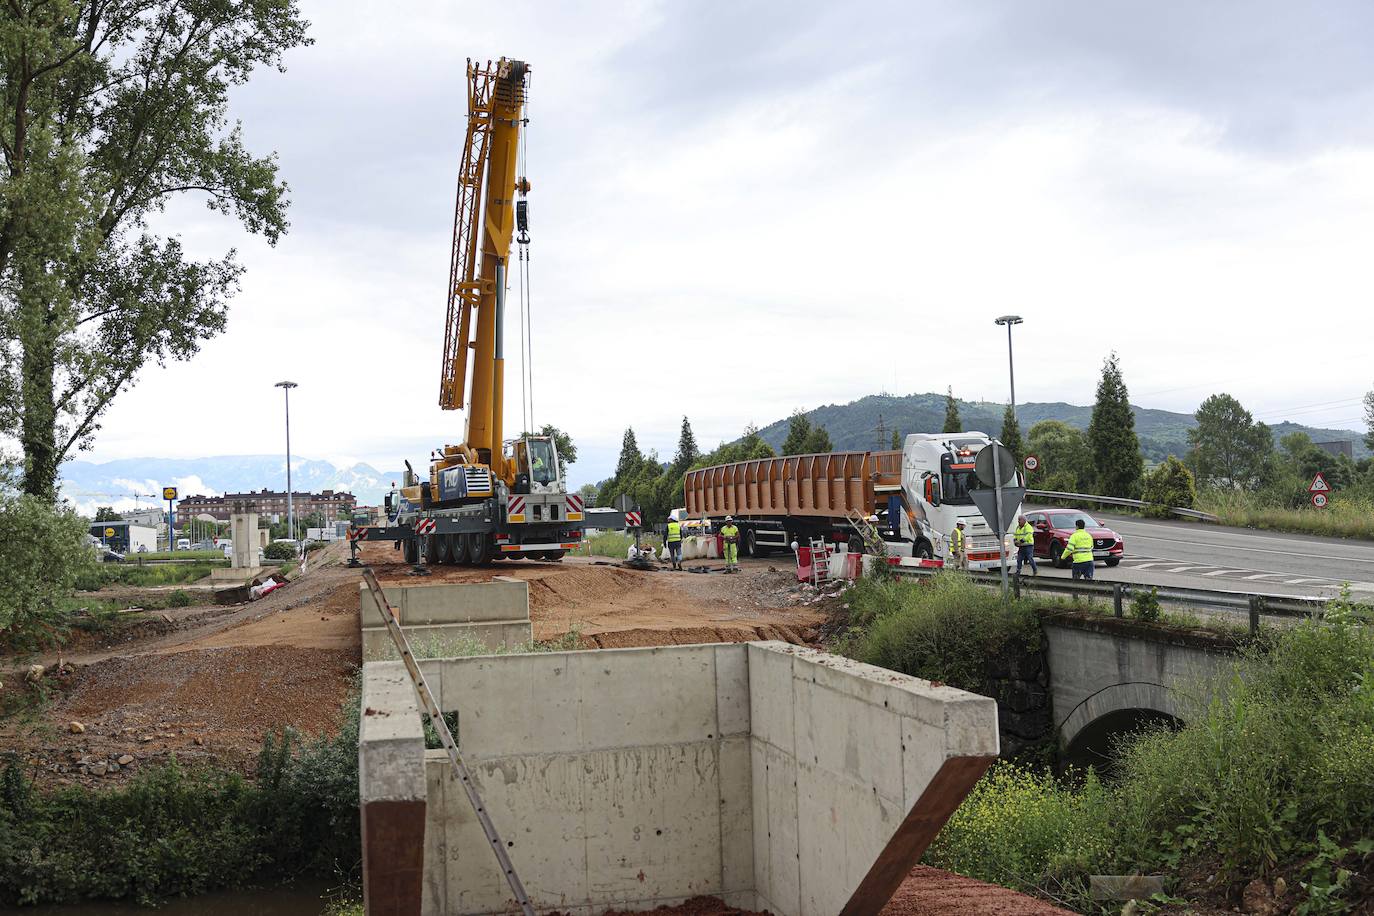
279, 550
1145, 605
1026, 830
179, 598
1347, 515
614, 544
1169, 485
173, 831
42, 554
942, 628
138, 575
1276, 751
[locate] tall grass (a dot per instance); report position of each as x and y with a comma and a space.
615, 544
944, 628
162, 574
1026, 830
1347, 515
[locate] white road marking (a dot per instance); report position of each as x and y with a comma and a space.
1219, 572
1190, 568
1291, 552
1261, 576
1301, 581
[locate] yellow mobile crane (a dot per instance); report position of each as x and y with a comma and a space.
484, 498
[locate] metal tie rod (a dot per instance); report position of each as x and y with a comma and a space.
436, 718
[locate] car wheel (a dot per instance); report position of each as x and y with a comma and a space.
1057, 555
1112, 561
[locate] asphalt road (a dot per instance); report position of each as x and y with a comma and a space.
1199, 555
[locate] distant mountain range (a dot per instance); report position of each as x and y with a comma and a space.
855, 425
115, 483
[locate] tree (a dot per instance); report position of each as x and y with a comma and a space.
1066, 462
1117, 462
1011, 435
41, 555
630, 456
896, 440
588, 493
819, 441
798, 431
112, 109
1369, 419
1227, 447
106, 514
1169, 485
687, 451
952, 422
567, 451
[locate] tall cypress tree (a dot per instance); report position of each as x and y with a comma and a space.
896, 440
952, 422
687, 451
1011, 435
630, 456
1117, 460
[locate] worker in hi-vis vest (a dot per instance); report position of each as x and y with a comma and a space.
1024, 537
1080, 547
958, 546
730, 534
672, 539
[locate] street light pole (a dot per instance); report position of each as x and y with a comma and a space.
290, 508
1010, 320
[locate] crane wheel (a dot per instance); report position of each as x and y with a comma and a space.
481, 549
410, 551
459, 549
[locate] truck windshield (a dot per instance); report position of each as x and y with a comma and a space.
542, 468
954, 487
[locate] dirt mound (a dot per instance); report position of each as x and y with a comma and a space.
570, 588
931, 892
686, 636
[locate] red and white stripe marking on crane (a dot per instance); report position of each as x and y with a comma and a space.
426, 526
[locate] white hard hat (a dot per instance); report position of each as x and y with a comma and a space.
729, 518
960, 523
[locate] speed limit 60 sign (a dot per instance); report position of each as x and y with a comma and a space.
1319, 500
1031, 462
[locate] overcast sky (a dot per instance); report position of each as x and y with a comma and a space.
740, 209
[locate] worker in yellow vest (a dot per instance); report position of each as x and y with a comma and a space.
673, 541
1024, 537
730, 534
958, 546
1080, 548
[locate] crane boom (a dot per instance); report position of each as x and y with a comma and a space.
483, 226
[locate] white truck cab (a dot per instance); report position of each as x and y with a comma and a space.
937, 476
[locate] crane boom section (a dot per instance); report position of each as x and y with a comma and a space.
484, 224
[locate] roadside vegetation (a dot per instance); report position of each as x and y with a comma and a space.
1266, 785
178, 831
102, 575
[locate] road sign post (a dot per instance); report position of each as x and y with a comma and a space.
170, 494
995, 467
1319, 490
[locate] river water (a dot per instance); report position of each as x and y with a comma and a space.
302, 899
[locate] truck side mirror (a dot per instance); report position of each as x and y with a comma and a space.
932, 491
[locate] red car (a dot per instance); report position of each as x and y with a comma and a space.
1052, 530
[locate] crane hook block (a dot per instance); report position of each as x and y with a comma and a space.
522, 221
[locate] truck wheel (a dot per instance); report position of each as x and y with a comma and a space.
750, 547
410, 551
459, 549
431, 545
552, 556
443, 550
856, 544
921, 550
478, 550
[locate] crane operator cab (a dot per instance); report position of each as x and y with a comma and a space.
535, 459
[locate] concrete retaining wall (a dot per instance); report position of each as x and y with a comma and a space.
495, 613
766, 774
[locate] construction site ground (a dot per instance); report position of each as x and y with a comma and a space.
207, 683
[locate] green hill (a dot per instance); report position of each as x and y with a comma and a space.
855, 425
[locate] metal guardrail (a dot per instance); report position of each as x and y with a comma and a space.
1119, 501
1257, 605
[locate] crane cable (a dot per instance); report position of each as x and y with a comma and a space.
526, 305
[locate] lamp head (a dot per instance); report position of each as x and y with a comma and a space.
287, 385
1009, 319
